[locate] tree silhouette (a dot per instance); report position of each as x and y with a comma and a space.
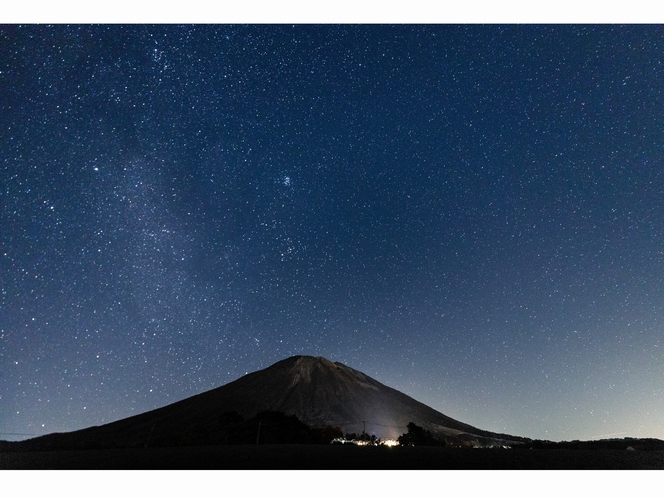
418, 436
325, 435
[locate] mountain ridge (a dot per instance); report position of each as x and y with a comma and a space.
317, 391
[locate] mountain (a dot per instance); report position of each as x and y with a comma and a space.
317, 391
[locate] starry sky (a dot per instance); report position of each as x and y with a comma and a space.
471, 214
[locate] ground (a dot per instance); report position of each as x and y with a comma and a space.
332, 457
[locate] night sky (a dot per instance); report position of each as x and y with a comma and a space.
473, 215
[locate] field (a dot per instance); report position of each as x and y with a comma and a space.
332, 457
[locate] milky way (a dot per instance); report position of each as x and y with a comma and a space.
473, 215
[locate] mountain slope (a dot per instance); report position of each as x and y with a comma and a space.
316, 390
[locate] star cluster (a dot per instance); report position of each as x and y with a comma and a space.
473, 215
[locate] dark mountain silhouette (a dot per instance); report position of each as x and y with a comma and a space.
314, 390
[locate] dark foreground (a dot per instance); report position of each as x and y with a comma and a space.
324, 457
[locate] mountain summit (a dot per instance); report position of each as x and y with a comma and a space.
317, 391
320, 392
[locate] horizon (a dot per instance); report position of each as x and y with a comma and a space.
469, 214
